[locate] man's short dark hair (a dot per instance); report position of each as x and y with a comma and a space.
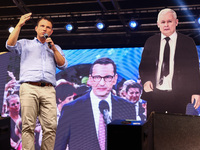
63, 91
134, 85
45, 18
103, 61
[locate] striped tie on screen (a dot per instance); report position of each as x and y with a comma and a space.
101, 132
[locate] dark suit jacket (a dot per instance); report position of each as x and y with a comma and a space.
186, 79
141, 112
76, 125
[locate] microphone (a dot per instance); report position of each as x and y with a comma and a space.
104, 109
46, 36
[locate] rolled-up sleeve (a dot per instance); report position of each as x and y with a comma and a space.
15, 49
66, 63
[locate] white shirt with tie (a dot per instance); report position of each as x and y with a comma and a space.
95, 108
167, 81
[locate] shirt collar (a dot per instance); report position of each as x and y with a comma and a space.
97, 100
137, 103
172, 37
36, 39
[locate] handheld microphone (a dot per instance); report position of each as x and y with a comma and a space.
46, 36
104, 109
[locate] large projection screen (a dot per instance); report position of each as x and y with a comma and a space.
75, 77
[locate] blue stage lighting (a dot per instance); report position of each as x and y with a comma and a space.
100, 25
10, 29
198, 21
69, 27
132, 24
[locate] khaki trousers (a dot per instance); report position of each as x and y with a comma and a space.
38, 101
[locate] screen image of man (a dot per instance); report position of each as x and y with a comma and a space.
39, 59
169, 68
133, 91
82, 124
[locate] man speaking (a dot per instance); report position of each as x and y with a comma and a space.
82, 124
37, 77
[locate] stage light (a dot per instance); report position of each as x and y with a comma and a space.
198, 20
69, 27
132, 24
100, 25
10, 29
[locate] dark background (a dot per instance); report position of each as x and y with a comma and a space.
84, 14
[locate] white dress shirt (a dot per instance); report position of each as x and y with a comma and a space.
137, 111
167, 81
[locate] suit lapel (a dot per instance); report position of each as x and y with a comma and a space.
157, 49
90, 122
114, 107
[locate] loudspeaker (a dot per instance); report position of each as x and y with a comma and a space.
124, 135
5, 133
171, 132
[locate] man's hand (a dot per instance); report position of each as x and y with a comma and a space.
195, 98
52, 45
23, 19
148, 86
12, 39
11, 84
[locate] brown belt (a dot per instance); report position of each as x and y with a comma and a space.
40, 83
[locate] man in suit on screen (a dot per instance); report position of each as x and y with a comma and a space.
79, 126
133, 92
169, 68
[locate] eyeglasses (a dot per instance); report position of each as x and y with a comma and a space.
107, 78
